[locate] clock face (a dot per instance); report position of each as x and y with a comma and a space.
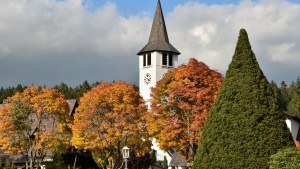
147, 78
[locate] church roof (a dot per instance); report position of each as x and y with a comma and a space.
158, 40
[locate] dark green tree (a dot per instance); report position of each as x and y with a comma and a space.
165, 163
284, 96
275, 90
153, 156
65, 90
294, 105
285, 159
245, 125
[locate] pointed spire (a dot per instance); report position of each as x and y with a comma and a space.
159, 40
159, 31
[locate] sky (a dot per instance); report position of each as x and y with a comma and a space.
47, 42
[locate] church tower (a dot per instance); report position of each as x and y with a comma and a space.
157, 57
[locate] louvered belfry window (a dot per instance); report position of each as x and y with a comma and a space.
144, 60
164, 59
148, 59
167, 59
170, 60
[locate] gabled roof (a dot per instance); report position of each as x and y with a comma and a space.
159, 40
16, 159
72, 104
291, 116
177, 160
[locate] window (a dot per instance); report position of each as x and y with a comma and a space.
148, 59
167, 59
170, 60
144, 60
164, 59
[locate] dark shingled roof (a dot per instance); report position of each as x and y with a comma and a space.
177, 160
158, 40
291, 116
72, 104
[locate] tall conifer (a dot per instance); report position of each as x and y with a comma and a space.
245, 126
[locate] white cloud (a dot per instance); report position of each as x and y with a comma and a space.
271, 25
49, 41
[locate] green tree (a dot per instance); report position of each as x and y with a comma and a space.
65, 90
153, 156
8, 92
285, 159
245, 125
58, 162
165, 163
294, 105
275, 90
284, 96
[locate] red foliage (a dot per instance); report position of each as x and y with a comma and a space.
180, 105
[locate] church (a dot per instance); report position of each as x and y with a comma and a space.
156, 58
159, 56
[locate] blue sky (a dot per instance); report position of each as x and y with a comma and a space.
46, 42
132, 7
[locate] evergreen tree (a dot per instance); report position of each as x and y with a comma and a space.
245, 126
294, 105
284, 96
275, 90
285, 159
165, 162
8, 92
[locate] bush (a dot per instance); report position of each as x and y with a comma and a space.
285, 159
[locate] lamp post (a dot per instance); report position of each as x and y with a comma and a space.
125, 152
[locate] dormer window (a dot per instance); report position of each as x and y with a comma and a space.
147, 59
167, 59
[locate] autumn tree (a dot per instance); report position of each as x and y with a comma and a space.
34, 123
108, 117
180, 105
245, 125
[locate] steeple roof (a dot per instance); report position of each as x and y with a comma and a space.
158, 40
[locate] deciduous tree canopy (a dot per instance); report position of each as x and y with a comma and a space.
34, 122
109, 116
180, 105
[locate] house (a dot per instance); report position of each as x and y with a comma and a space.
293, 123
83, 159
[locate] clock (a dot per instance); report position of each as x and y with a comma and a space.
147, 78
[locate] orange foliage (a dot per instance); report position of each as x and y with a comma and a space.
33, 122
110, 116
180, 105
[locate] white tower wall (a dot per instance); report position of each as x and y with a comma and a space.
156, 70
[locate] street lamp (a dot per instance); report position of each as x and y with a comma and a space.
125, 152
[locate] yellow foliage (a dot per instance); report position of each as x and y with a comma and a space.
109, 116
35, 120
